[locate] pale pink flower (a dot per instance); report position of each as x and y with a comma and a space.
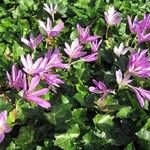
32, 42
51, 31
84, 34
75, 50
139, 64
112, 17
122, 81
31, 95
15, 79
95, 45
100, 88
29, 67
4, 127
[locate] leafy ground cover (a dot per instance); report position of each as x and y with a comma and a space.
79, 82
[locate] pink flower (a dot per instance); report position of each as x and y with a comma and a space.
133, 26
32, 42
4, 128
54, 60
112, 17
141, 95
29, 67
33, 96
84, 35
100, 88
95, 45
141, 28
139, 64
51, 32
15, 79
52, 79
74, 51
90, 57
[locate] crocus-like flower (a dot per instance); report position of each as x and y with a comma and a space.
100, 88
74, 51
133, 26
32, 42
54, 60
84, 35
51, 10
121, 50
4, 128
29, 67
141, 94
143, 34
15, 79
112, 17
141, 28
95, 45
122, 81
52, 79
31, 95
139, 64
51, 32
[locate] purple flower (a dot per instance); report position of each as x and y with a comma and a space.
143, 34
112, 17
95, 45
29, 67
100, 88
74, 51
133, 26
139, 64
141, 95
141, 28
51, 32
4, 128
52, 79
15, 79
32, 42
84, 35
54, 60
33, 96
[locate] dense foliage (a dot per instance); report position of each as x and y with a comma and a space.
77, 118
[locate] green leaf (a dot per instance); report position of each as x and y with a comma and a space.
65, 140
25, 137
144, 135
59, 114
124, 112
103, 119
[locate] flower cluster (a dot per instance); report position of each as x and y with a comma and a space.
75, 51
27, 79
38, 75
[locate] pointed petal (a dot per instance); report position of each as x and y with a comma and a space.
2, 136
57, 29
34, 82
25, 41
42, 25
40, 101
40, 92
